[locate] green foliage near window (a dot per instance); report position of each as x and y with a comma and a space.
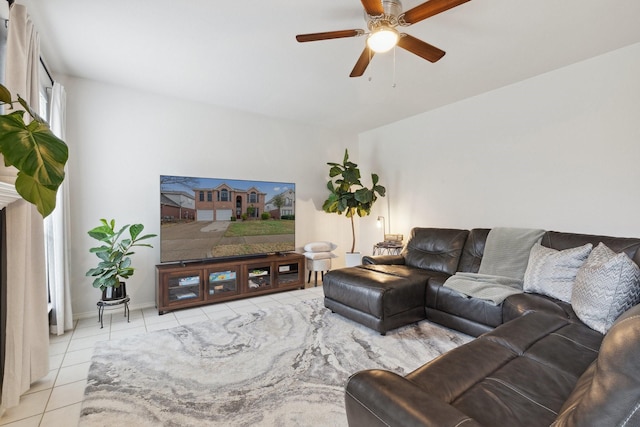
265, 215
348, 195
35, 151
114, 253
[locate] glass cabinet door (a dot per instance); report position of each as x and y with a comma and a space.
221, 282
258, 277
289, 273
184, 286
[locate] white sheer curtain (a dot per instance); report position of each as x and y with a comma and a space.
27, 331
56, 228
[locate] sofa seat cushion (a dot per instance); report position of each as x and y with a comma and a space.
444, 299
523, 371
517, 305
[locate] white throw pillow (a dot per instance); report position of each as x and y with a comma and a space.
319, 247
319, 255
552, 272
606, 285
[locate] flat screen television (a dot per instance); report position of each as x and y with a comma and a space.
211, 218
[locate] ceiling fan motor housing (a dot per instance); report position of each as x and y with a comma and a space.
392, 9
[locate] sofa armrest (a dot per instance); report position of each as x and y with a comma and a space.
382, 398
383, 259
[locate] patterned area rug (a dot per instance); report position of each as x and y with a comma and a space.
283, 366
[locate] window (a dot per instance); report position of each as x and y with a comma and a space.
209, 196
202, 196
253, 197
224, 195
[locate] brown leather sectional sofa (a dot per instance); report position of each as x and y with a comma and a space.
534, 364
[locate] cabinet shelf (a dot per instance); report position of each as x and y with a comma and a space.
181, 286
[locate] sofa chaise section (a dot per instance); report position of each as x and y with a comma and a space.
391, 293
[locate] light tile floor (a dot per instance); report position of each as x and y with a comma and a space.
55, 400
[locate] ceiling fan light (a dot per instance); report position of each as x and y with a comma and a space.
382, 40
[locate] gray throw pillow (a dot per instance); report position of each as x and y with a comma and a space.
606, 285
552, 272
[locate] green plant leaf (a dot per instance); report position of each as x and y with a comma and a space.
33, 149
104, 255
135, 230
43, 197
100, 233
126, 263
335, 171
5, 95
38, 155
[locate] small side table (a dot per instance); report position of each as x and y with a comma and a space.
387, 248
112, 303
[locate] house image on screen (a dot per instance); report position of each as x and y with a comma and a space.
176, 205
223, 202
282, 205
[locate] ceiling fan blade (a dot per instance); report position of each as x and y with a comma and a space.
420, 48
428, 9
373, 7
362, 63
328, 35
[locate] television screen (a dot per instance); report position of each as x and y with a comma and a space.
204, 218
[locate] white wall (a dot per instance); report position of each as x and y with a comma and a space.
560, 151
121, 141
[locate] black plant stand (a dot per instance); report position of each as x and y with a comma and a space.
112, 303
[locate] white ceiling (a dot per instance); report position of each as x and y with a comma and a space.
243, 54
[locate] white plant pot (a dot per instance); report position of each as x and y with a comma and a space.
351, 259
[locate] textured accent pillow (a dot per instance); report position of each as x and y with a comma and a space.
606, 285
319, 247
319, 255
552, 272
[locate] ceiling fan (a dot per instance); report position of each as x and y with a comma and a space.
383, 16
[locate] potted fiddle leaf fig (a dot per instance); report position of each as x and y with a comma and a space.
37, 154
114, 254
348, 195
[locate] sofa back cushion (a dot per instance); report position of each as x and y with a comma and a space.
608, 393
473, 250
435, 249
560, 241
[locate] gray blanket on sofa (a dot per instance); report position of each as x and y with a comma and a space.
487, 287
504, 262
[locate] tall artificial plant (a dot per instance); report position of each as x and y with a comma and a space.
34, 150
347, 193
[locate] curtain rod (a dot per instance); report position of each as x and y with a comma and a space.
46, 70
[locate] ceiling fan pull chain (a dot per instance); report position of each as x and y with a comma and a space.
393, 85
